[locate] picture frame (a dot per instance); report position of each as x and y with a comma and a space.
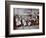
24, 10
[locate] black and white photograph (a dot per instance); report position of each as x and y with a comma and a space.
25, 18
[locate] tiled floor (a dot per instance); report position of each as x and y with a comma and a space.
28, 27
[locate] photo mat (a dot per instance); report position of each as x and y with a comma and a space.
24, 11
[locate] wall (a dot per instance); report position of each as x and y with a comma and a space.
2, 18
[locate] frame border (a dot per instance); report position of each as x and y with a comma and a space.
7, 3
